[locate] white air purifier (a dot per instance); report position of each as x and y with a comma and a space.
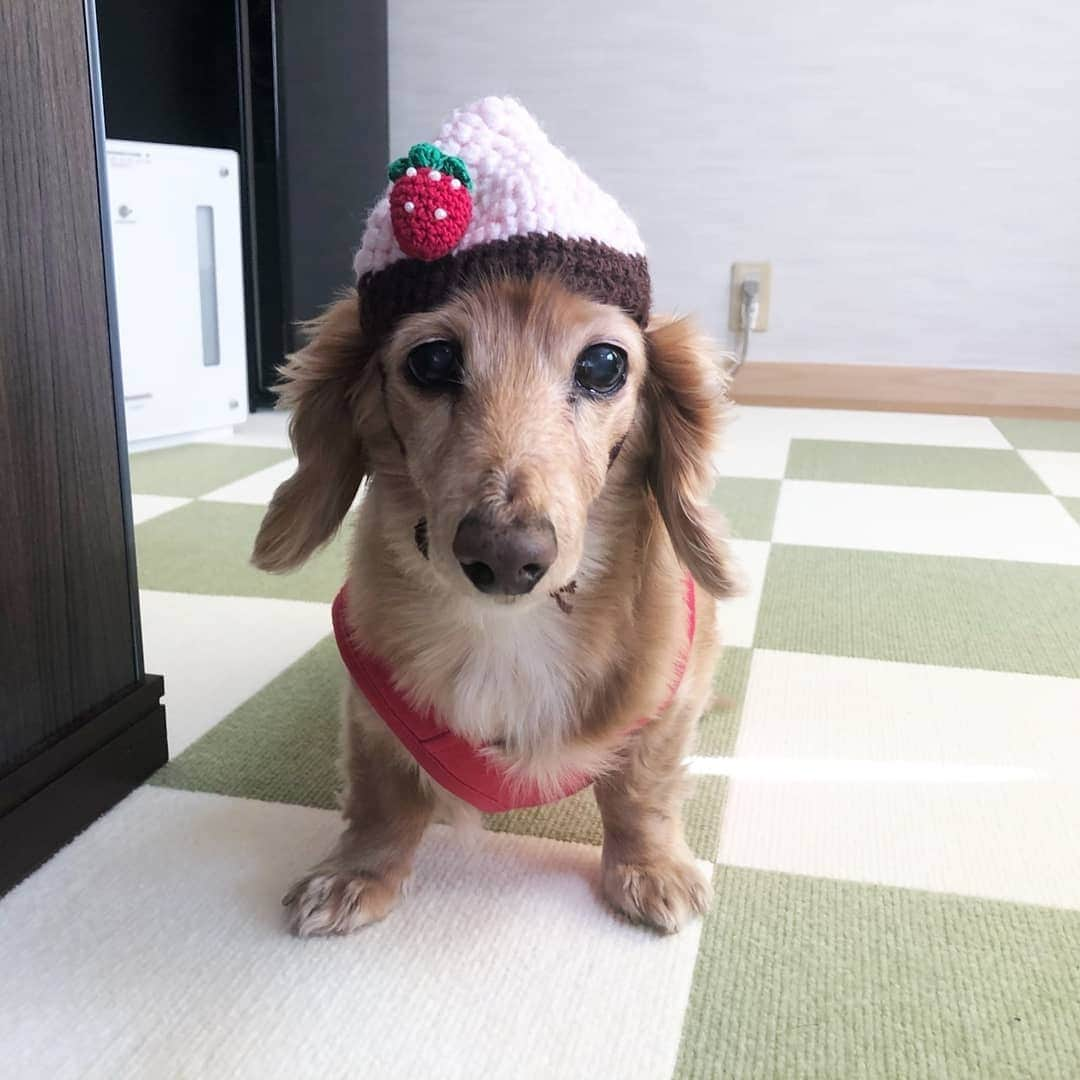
178, 269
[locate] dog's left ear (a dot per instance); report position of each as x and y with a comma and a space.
320, 384
687, 400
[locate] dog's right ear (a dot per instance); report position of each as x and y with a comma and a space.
688, 405
320, 384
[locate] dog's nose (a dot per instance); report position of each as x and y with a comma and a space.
508, 559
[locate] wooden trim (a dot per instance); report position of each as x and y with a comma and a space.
56, 795
1043, 395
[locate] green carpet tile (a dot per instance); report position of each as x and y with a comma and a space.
809, 978
198, 468
1041, 434
972, 613
748, 504
577, 819
720, 725
911, 466
205, 547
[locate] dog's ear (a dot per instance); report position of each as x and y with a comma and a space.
686, 392
320, 384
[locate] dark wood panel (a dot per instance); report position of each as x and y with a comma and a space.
92, 503
68, 643
46, 765
35, 691
57, 813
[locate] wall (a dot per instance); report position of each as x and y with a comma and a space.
911, 169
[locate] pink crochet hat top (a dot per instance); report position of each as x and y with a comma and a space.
493, 194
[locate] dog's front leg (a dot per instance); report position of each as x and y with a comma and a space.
648, 872
387, 807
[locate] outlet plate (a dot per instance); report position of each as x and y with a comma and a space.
761, 272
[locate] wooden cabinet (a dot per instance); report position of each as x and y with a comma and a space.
80, 721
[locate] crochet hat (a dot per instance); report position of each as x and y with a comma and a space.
492, 196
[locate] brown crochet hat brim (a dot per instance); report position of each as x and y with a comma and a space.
584, 266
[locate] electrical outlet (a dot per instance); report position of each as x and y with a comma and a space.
761, 272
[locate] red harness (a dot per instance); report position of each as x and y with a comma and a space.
451, 761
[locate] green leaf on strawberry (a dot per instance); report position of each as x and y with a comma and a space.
454, 166
427, 156
397, 168
424, 155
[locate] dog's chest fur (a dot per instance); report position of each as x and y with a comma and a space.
511, 678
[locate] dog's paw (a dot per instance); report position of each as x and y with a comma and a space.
663, 893
329, 901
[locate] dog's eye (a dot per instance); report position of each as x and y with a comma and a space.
601, 369
436, 365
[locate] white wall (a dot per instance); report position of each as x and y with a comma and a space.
911, 169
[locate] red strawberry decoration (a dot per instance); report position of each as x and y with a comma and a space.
430, 204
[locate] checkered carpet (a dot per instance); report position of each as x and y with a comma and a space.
890, 805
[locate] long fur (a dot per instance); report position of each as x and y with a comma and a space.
319, 384
688, 406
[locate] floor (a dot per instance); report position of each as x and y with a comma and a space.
889, 806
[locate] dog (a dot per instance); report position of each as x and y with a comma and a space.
532, 562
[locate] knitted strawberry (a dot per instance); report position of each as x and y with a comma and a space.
430, 205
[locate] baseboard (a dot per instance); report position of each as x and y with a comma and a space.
1048, 396
48, 801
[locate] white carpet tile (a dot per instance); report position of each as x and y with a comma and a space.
855, 771
169, 958
924, 429
738, 617
1059, 470
928, 777
258, 488
751, 447
145, 507
801, 705
217, 651
928, 521
998, 840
